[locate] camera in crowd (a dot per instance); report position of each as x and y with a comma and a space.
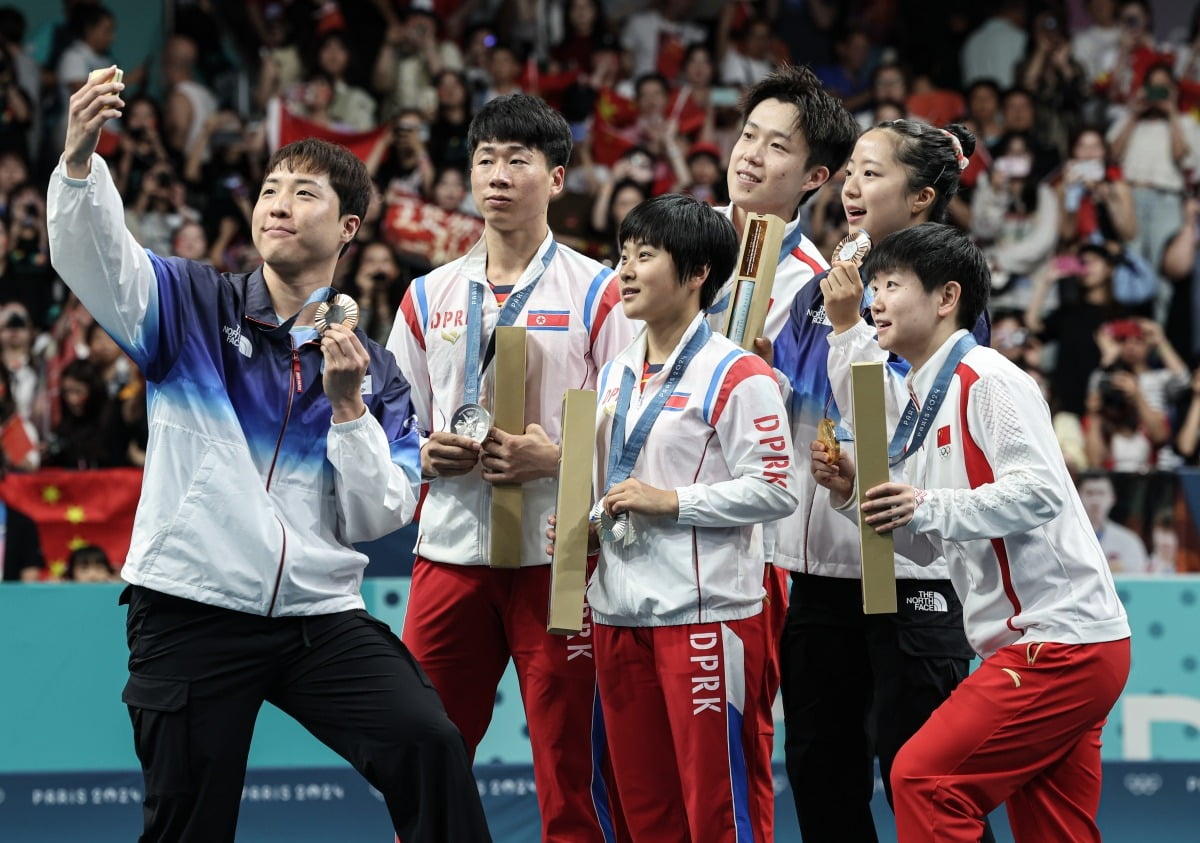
1112, 398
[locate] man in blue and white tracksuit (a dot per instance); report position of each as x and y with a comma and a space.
272, 449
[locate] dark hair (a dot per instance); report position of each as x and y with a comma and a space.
699, 47
87, 373
652, 76
463, 82
987, 82
640, 187
351, 73
929, 156
1100, 251
880, 69
937, 253
696, 236
1164, 66
347, 174
828, 128
12, 25
88, 555
1144, 6
84, 16
1086, 129
526, 120
1017, 91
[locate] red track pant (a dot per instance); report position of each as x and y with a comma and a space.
463, 624
1023, 729
688, 732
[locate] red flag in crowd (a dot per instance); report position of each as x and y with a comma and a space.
419, 228
283, 127
613, 114
76, 508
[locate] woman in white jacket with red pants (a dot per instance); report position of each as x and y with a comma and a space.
693, 455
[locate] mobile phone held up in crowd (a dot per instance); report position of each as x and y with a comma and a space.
1013, 166
1091, 170
1069, 265
1157, 93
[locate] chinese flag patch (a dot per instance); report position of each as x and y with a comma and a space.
943, 436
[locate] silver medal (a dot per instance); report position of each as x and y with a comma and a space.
472, 421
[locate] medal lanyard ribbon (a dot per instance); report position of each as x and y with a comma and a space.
513, 305
790, 242
322, 294
622, 454
900, 448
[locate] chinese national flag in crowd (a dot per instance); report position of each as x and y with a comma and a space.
76, 508
613, 114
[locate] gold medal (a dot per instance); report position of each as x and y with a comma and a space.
853, 247
827, 436
341, 310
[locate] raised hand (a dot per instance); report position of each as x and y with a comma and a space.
93, 105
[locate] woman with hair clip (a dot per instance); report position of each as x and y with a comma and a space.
857, 686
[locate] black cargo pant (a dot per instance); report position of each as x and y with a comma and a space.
858, 686
199, 674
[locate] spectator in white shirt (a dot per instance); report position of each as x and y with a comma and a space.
1126, 552
993, 50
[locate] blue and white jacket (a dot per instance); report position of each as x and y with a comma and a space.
252, 497
817, 363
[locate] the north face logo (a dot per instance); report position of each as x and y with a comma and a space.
818, 316
234, 337
928, 601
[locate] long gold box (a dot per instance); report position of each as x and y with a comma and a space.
878, 552
568, 567
508, 414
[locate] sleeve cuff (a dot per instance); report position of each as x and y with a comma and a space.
352, 425
860, 332
687, 504
74, 182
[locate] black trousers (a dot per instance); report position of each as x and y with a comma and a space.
858, 686
199, 674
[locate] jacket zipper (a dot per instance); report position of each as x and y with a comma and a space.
294, 378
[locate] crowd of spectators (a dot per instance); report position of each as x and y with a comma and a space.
1083, 189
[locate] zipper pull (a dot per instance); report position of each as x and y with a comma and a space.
296, 371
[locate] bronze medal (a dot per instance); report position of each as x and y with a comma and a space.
340, 310
827, 436
853, 247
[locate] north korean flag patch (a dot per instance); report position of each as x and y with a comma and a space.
677, 401
548, 320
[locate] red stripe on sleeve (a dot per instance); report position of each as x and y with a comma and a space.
409, 310
608, 300
979, 472
744, 367
809, 260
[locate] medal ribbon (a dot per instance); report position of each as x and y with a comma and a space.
322, 294
508, 315
900, 448
622, 454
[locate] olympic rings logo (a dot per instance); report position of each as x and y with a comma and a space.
1143, 784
